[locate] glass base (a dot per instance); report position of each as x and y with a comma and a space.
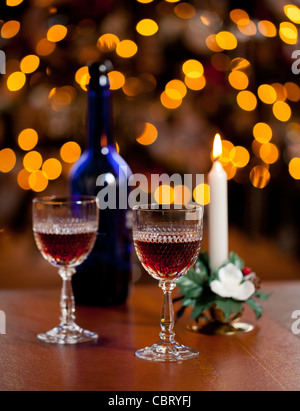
167, 352
68, 335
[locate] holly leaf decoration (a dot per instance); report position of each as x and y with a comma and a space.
236, 260
190, 288
203, 260
256, 307
200, 308
229, 306
192, 284
204, 303
262, 296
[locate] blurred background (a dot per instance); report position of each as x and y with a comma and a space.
183, 71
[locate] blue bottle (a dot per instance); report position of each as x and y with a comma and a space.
104, 278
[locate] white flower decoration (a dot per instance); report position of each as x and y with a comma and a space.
231, 285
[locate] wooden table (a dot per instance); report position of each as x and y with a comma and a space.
266, 359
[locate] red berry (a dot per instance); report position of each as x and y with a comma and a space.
247, 271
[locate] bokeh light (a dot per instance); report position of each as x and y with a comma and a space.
45, 47
267, 28
38, 181
174, 87
238, 80
28, 139
33, 161
147, 27
193, 68
164, 194
116, 80
238, 15
247, 100
70, 152
230, 170
248, 28
282, 111
293, 91
108, 42
10, 29
212, 44
260, 176
226, 40
256, 145
262, 133
16, 81
13, 3
280, 90
8, 160
182, 195
288, 33
82, 77
294, 168
239, 156
127, 49
173, 94
168, 102
201, 194
61, 97
197, 83
185, 11
293, 13
57, 33
29, 64
52, 168
149, 135
23, 179
267, 94
269, 153
241, 64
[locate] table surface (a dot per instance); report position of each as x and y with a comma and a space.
266, 359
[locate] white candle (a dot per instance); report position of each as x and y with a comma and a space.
218, 210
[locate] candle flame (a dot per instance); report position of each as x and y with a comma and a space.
217, 152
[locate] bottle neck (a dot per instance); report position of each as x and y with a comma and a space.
99, 119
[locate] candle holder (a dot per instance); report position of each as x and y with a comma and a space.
218, 297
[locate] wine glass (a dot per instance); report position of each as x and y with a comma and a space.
167, 243
65, 231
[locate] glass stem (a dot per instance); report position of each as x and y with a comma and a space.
167, 315
67, 302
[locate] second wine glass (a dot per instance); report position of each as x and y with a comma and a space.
168, 243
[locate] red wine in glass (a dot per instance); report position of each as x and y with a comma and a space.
68, 246
168, 257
